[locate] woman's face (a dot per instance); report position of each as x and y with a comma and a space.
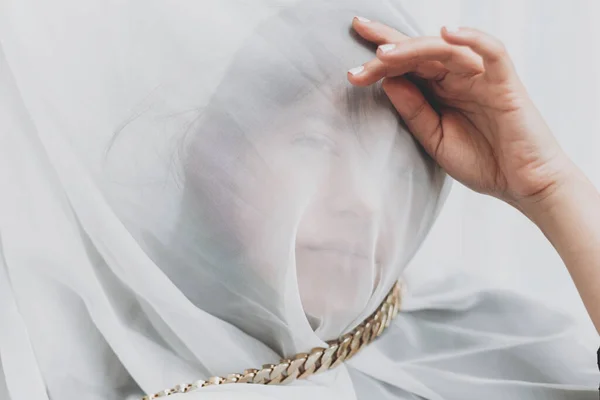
332, 175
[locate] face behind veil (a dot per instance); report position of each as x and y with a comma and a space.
203, 182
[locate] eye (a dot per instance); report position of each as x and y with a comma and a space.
315, 140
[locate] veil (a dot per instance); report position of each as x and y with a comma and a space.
192, 189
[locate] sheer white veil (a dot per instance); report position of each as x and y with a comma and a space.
193, 188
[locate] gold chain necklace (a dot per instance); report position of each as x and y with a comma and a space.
303, 365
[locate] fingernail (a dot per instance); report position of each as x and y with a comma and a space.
452, 29
362, 19
356, 70
387, 47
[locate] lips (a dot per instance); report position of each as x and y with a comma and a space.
339, 250
334, 278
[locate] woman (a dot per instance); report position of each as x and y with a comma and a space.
171, 219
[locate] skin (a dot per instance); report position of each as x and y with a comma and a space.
345, 183
464, 102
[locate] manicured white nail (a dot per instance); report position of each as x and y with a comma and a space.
387, 47
356, 70
362, 19
452, 29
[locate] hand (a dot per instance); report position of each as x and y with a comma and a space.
461, 98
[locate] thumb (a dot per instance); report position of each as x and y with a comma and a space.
420, 117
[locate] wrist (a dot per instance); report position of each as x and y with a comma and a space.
572, 200
565, 191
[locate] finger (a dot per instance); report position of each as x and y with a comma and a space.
377, 32
497, 63
422, 120
427, 49
374, 70
380, 33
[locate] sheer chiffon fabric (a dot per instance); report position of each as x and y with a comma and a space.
192, 189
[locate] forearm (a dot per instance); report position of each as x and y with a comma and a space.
570, 219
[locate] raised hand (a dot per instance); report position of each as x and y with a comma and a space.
461, 98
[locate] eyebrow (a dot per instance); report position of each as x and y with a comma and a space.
341, 106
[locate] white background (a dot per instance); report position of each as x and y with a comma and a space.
555, 45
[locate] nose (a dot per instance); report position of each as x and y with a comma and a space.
352, 191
